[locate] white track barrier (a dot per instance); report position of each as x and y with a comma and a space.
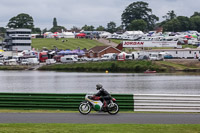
166, 103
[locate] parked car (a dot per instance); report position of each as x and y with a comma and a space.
68, 59
143, 57
57, 58
12, 62
168, 56
24, 62
96, 59
1, 63
50, 61
156, 56
109, 56
33, 61
86, 59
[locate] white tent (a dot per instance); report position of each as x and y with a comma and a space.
105, 34
129, 33
68, 35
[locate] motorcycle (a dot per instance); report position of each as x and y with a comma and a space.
94, 102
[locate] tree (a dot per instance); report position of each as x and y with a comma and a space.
21, 21
196, 14
170, 15
2, 32
195, 23
138, 25
88, 28
138, 10
44, 30
100, 28
58, 29
36, 30
111, 27
55, 22
172, 25
185, 23
76, 29
120, 29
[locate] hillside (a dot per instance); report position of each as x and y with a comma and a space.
69, 43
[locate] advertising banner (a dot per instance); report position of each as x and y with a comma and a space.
140, 44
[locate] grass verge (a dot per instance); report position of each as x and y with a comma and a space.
175, 66
13, 67
99, 128
69, 43
171, 65
111, 66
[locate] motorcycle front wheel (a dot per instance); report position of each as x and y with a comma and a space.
84, 108
113, 108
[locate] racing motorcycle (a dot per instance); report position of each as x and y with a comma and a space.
94, 102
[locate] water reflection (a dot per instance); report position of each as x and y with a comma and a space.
64, 82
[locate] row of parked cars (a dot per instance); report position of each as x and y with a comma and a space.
75, 58
111, 56
28, 61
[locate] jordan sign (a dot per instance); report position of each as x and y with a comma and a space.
139, 44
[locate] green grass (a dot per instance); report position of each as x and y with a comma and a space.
189, 46
179, 67
172, 65
71, 43
117, 41
99, 128
13, 67
111, 66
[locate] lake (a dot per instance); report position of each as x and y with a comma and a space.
75, 82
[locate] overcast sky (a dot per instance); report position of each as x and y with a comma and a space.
77, 13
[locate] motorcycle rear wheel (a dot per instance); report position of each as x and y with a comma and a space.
84, 108
114, 109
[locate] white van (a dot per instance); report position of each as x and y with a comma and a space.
50, 61
68, 59
24, 62
109, 56
12, 62
33, 61
156, 56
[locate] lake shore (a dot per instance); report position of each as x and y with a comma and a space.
172, 65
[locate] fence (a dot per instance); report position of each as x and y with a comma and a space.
167, 103
54, 101
127, 102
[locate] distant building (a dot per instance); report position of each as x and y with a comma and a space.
17, 39
98, 51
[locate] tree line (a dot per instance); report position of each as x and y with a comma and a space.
136, 16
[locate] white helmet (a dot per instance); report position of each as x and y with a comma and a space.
99, 86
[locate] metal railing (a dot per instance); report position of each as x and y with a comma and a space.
54, 101
127, 102
167, 103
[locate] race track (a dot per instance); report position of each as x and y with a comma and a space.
102, 118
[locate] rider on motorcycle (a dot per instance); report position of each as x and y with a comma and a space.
105, 96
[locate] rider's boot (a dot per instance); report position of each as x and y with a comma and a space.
105, 108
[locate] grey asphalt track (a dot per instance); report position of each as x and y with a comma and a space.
102, 118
